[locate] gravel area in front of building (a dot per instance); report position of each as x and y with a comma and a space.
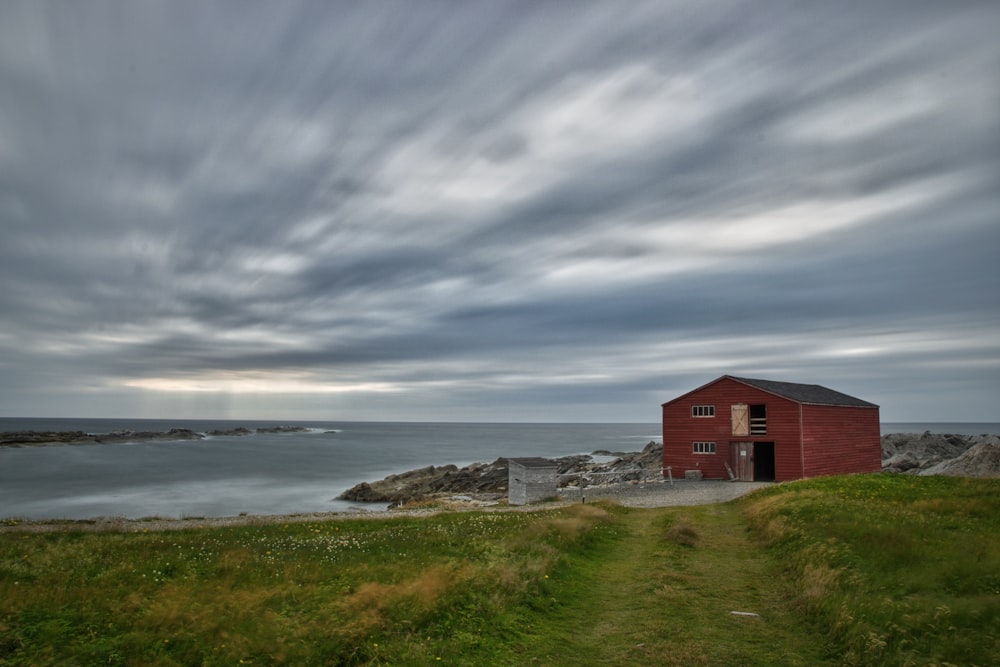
665, 494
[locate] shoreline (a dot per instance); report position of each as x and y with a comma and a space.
638, 483
680, 493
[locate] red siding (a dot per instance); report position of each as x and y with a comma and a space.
840, 439
809, 440
680, 429
783, 429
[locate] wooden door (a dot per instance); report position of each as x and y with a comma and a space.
741, 454
741, 419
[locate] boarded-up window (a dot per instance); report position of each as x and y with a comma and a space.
741, 420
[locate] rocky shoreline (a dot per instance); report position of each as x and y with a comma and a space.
631, 477
488, 481
903, 453
50, 438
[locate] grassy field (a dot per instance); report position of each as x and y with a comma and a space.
890, 569
870, 570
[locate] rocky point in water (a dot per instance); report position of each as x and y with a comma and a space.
42, 438
46, 438
488, 481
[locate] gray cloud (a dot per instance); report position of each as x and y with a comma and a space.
495, 210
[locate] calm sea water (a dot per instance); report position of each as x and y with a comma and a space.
260, 473
276, 473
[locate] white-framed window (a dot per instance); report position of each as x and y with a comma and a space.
702, 447
702, 410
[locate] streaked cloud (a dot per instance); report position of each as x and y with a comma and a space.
495, 211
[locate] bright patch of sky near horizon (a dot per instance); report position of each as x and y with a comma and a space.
494, 211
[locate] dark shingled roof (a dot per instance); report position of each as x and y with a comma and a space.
805, 393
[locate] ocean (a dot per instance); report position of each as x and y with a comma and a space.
268, 473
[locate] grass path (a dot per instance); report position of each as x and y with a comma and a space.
662, 595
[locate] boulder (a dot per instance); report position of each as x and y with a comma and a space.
911, 453
982, 459
364, 493
941, 454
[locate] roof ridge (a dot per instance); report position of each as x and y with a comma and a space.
800, 392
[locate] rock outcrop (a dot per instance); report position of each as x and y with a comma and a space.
941, 454
282, 429
231, 432
43, 438
982, 459
488, 481
46, 438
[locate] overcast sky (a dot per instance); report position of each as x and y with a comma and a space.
495, 211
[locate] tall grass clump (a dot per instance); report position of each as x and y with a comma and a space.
682, 532
894, 569
394, 591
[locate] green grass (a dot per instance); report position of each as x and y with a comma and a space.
893, 570
399, 591
850, 570
663, 593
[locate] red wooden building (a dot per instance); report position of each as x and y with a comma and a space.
762, 430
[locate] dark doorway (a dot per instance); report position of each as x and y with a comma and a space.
758, 420
763, 461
